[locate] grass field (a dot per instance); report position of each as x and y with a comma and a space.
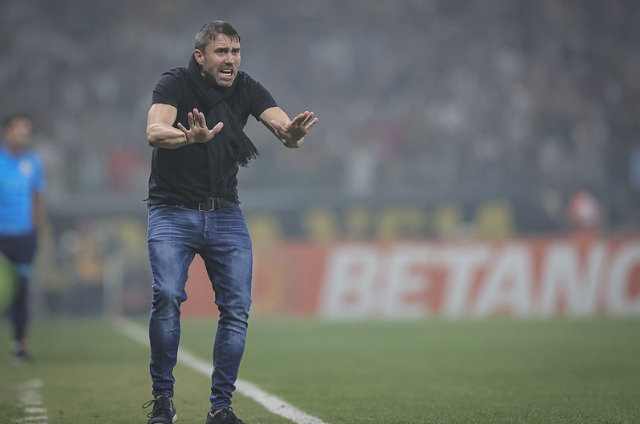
434, 371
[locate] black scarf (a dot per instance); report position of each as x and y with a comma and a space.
231, 145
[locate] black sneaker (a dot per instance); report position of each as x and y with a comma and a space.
223, 417
164, 411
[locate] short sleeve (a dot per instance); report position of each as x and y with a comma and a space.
168, 90
261, 98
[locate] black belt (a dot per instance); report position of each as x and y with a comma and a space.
211, 204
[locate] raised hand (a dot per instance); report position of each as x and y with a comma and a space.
296, 129
198, 131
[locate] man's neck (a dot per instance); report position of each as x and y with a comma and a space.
13, 150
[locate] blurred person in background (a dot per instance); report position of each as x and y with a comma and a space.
22, 213
585, 215
194, 207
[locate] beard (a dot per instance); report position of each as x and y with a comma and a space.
211, 79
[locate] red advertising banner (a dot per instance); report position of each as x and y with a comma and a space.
522, 277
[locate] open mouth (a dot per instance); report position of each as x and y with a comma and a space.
227, 72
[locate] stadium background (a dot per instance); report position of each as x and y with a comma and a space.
443, 124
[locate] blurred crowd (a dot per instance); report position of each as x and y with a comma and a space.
514, 96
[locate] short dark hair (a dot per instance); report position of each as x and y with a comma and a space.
210, 30
6, 123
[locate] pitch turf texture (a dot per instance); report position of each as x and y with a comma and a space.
433, 371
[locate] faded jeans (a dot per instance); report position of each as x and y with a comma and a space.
221, 238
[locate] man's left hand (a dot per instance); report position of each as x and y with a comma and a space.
296, 129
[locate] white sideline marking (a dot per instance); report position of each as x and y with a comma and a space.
271, 403
30, 399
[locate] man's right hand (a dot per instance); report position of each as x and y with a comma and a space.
198, 131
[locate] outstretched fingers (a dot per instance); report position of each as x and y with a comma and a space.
215, 130
190, 120
310, 122
198, 132
200, 119
301, 118
304, 121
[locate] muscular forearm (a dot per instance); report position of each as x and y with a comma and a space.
166, 137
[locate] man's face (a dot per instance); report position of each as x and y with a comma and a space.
220, 60
18, 134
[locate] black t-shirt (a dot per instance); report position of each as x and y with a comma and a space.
182, 176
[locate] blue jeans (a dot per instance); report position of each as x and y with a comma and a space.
221, 238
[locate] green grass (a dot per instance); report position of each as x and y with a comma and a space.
434, 371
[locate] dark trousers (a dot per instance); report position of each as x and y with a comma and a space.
20, 250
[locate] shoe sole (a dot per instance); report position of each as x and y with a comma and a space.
175, 418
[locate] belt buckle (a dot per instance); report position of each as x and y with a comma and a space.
207, 205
